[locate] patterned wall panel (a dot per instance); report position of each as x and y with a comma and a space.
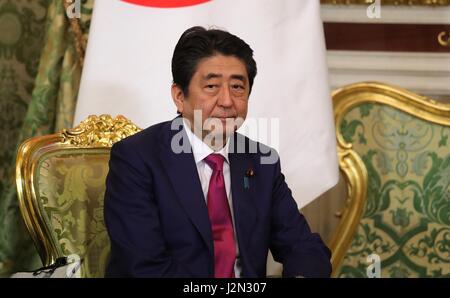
21, 36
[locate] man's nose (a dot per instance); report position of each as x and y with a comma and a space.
225, 99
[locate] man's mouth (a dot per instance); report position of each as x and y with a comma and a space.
224, 118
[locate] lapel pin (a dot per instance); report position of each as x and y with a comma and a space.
250, 173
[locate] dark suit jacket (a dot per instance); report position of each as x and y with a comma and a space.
157, 218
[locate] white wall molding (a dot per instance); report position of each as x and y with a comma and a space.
389, 14
423, 73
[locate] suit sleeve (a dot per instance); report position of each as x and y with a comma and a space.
301, 252
137, 245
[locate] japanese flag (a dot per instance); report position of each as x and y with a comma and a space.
128, 71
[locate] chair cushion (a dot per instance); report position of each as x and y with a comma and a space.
406, 217
70, 186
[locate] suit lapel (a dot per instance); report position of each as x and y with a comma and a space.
244, 201
182, 172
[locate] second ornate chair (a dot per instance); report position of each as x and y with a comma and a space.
394, 153
61, 183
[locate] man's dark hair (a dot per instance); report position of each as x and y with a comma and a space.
197, 43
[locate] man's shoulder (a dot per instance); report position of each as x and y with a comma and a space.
146, 138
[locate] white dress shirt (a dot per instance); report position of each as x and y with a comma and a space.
200, 151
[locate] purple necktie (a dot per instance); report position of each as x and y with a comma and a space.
220, 218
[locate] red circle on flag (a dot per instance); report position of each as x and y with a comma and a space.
166, 3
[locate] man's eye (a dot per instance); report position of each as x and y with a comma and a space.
237, 87
211, 86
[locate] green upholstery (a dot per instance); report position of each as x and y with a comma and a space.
406, 217
70, 186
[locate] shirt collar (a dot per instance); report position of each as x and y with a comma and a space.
200, 149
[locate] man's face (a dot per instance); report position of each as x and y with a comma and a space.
219, 90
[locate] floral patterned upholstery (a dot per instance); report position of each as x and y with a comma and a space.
70, 187
406, 215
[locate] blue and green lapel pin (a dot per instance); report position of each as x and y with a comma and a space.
248, 174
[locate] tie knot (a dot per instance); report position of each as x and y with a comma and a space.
215, 161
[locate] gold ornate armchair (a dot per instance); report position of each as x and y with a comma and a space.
61, 183
394, 154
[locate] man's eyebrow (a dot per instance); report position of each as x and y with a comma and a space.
238, 77
212, 76
216, 75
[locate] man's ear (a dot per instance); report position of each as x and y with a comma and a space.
178, 97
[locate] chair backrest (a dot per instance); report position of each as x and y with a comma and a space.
61, 184
394, 153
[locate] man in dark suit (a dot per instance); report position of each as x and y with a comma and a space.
191, 197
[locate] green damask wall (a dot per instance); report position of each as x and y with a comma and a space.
21, 37
22, 30
40, 72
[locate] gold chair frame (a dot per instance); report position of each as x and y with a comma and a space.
93, 133
350, 163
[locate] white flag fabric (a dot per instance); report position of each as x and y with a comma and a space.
127, 71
